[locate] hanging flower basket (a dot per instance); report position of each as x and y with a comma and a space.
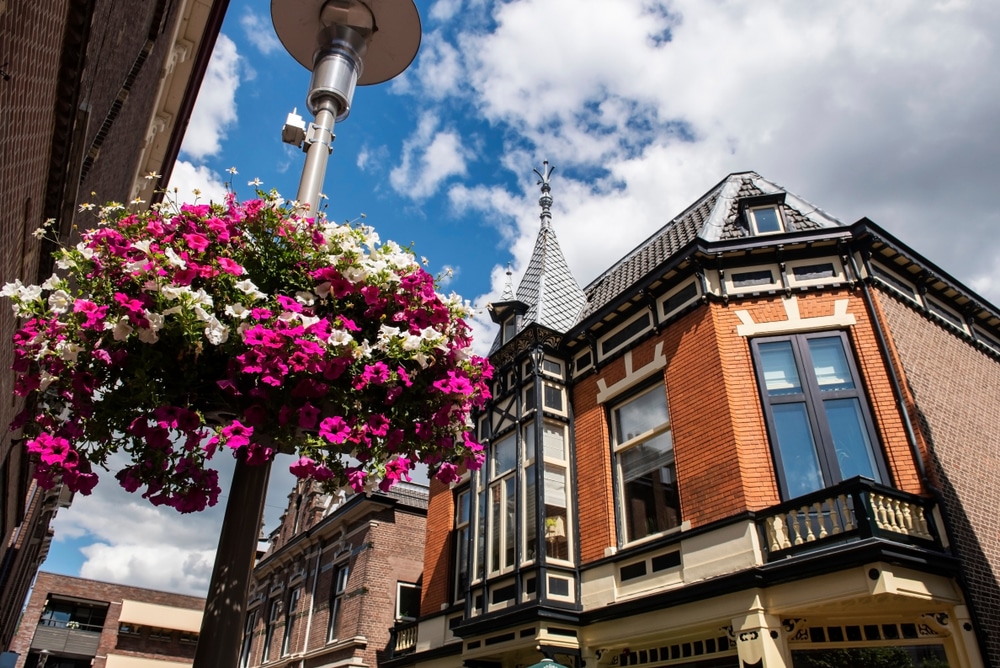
172, 334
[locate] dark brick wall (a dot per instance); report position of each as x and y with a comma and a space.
50, 584
62, 56
953, 390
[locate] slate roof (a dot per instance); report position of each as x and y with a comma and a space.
714, 217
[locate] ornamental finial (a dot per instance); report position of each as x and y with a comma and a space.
545, 201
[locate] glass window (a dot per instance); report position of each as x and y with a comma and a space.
509, 328
272, 622
463, 515
247, 639
337, 591
407, 601
766, 220
817, 415
644, 456
290, 618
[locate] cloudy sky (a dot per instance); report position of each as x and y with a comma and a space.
886, 109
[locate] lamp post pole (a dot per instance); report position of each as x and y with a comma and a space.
344, 43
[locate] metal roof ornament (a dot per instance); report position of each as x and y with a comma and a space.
545, 201
508, 289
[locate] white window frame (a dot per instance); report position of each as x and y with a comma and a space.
293, 603
601, 355
838, 272
933, 305
774, 285
915, 297
661, 303
338, 590
400, 586
620, 446
751, 214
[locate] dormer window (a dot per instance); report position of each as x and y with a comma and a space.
509, 328
765, 220
762, 213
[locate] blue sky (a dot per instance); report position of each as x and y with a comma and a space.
886, 109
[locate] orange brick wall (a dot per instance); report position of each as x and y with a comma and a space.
437, 548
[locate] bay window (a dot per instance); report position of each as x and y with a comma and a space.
817, 414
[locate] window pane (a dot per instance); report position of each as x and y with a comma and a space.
504, 455
496, 516
850, 439
530, 513
647, 456
509, 529
553, 397
552, 441
462, 509
780, 374
798, 450
767, 220
408, 602
652, 504
642, 414
556, 536
830, 364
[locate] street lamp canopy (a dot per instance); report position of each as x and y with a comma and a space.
392, 28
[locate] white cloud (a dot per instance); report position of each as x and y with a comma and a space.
259, 31
187, 177
215, 111
874, 109
443, 10
439, 68
429, 158
129, 541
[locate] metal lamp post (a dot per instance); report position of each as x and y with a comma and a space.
344, 43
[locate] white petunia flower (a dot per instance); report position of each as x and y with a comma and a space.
143, 245
305, 297
175, 259
68, 351
52, 282
237, 311
60, 301
155, 320
122, 329
216, 332
247, 287
339, 337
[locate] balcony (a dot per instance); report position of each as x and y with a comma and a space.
403, 639
854, 510
67, 638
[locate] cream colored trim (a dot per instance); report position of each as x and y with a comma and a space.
120, 661
162, 616
632, 376
177, 69
795, 322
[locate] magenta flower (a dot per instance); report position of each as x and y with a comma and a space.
334, 429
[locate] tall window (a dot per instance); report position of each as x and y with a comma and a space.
337, 592
290, 619
502, 502
644, 456
463, 517
247, 639
817, 415
272, 621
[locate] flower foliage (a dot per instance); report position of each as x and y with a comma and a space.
174, 333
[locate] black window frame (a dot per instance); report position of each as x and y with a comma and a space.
812, 397
338, 592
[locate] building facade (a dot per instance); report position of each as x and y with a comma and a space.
76, 623
761, 438
339, 572
94, 95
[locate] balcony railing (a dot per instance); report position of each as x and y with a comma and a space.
853, 510
80, 639
403, 638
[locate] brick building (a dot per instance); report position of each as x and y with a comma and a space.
94, 94
76, 623
339, 571
761, 438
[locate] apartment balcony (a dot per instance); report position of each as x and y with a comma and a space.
852, 511
81, 639
403, 639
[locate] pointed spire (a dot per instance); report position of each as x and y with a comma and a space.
508, 288
545, 201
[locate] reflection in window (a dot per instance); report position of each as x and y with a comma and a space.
649, 502
821, 431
